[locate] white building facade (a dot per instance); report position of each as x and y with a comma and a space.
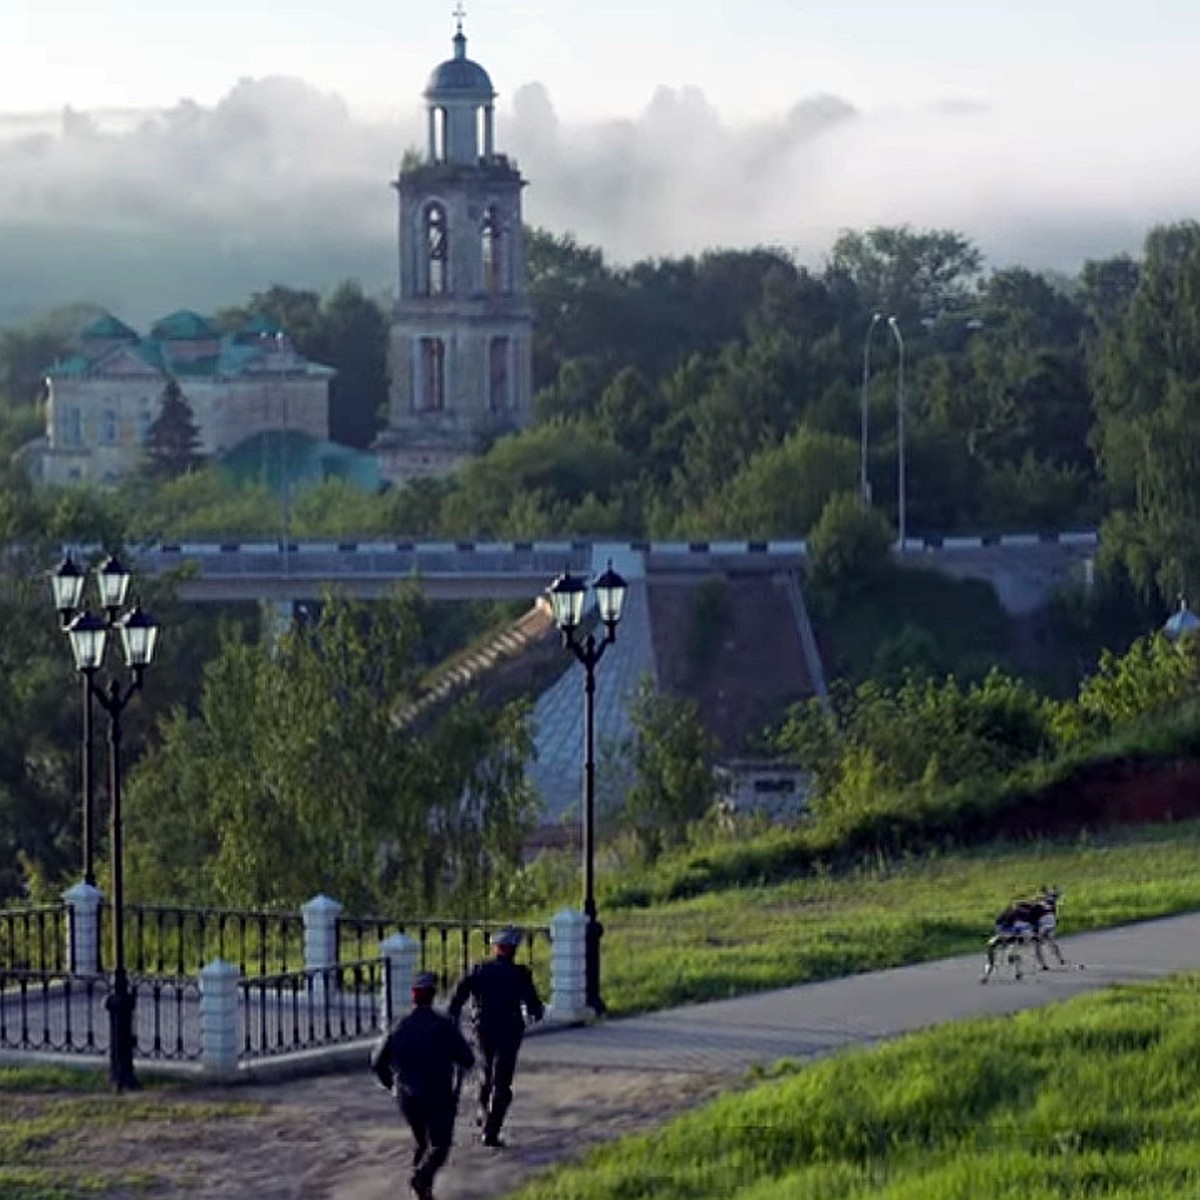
104, 397
461, 340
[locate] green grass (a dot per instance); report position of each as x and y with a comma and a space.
63, 1135
1095, 1097
751, 938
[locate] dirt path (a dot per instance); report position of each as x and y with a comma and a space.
339, 1137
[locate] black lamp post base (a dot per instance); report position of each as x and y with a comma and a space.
591, 959
120, 1005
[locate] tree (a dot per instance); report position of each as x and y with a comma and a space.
302, 775
173, 439
354, 338
849, 546
1146, 377
907, 275
673, 757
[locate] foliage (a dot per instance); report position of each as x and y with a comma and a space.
672, 758
907, 274
173, 439
1146, 379
848, 547
299, 776
923, 732
1154, 676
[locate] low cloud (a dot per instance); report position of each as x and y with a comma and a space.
279, 182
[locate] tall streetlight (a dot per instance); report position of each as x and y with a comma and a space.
567, 595
901, 481
89, 637
864, 483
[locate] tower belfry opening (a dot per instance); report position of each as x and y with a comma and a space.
462, 329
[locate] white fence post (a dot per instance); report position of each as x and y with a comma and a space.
568, 985
400, 953
219, 1017
321, 945
83, 928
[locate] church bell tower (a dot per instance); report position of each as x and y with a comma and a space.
461, 340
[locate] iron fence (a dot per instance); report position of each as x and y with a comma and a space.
447, 947
301, 1010
178, 940
57, 1012
34, 937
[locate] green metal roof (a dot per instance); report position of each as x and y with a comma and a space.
108, 328
184, 326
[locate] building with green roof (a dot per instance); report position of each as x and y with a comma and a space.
107, 392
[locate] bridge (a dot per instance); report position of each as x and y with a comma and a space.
1023, 568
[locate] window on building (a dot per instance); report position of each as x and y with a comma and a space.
437, 251
108, 427
439, 135
73, 427
145, 420
432, 395
493, 265
498, 375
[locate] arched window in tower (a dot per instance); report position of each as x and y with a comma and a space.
498, 389
437, 135
490, 248
431, 394
437, 266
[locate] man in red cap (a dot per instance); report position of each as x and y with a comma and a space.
505, 998
422, 1060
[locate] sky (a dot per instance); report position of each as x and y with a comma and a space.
155, 156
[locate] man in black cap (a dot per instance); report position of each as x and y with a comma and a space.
417, 1060
505, 998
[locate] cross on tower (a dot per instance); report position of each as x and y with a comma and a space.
458, 13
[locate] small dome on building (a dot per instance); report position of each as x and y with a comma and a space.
1182, 621
459, 76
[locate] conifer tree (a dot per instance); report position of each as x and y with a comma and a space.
173, 439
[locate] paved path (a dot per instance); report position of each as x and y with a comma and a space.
581, 1085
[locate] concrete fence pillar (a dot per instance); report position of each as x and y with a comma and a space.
568, 990
321, 944
401, 955
219, 1018
83, 929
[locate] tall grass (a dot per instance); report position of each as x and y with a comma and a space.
885, 913
1095, 1097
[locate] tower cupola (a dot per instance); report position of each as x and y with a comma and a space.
460, 99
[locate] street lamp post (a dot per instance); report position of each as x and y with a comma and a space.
567, 594
89, 637
901, 480
864, 483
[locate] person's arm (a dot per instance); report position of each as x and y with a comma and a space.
461, 994
532, 1001
381, 1061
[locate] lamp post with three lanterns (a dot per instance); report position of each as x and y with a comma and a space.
88, 634
567, 595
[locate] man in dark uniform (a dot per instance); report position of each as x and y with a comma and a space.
422, 1060
504, 999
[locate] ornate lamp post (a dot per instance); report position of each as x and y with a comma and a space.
89, 637
567, 595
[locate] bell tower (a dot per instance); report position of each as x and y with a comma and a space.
461, 340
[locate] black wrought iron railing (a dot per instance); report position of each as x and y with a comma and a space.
302, 1010
448, 948
175, 940
34, 937
56, 1012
